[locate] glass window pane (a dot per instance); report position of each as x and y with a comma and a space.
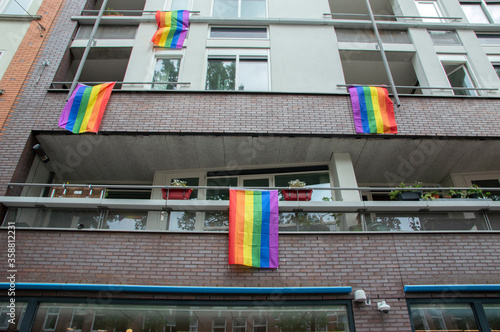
253, 75
444, 37
126, 220
253, 8
485, 38
443, 317
225, 8
492, 312
312, 180
5, 310
224, 32
179, 4
428, 9
474, 13
494, 219
459, 77
166, 70
16, 8
221, 74
494, 12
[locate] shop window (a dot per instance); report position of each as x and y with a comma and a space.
16, 7
237, 73
166, 70
239, 8
235, 32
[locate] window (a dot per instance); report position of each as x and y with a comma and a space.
488, 38
219, 325
239, 8
226, 32
460, 315
259, 324
474, 13
429, 9
237, 72
239, 325
166, 70
444, 37
14, 7
494, 12
459, 77
179, 5
51, 319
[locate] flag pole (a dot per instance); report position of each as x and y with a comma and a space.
382, 53
87, 49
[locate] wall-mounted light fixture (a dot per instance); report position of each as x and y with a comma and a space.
360, 297
2, 91
39, 151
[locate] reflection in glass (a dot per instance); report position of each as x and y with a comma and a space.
492, 312
415, 222
313, 180
221, 74
166, 70
5, 310
225, 8
474, 13
494, 12
253, 8
253, 75
182, 221
94, 317
459, 77
126, 220
443, 317
444, 37
179, 5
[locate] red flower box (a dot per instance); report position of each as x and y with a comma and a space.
176, 193
291, 195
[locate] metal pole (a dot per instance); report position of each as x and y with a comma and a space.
87, 49
382, 53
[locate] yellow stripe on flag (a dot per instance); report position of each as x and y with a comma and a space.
376, 110
247, 243
90, 107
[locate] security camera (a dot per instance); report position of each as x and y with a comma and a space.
383, 307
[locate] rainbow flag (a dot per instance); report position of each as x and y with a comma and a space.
84, 110
373, 110
172, 28
253, 228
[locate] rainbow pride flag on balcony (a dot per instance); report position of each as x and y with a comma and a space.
253, 228
373, 110
84, 110
172, 28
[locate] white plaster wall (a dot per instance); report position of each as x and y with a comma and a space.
12, 34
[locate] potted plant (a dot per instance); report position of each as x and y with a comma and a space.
174, 193
431, 195
297, 194
406, 195
476, 192
455, 193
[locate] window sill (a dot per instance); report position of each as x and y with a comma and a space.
10, 17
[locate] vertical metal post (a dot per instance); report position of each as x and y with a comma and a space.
87, 49
382, 53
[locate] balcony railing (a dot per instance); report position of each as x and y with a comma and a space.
93, 211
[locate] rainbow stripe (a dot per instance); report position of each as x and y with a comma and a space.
373, 110
172, 28
84, 110
253, 228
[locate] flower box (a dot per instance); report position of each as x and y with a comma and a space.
297, 194
409, 196
181, 193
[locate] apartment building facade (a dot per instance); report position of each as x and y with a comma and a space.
256, 98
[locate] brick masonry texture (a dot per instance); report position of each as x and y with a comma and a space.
381, 264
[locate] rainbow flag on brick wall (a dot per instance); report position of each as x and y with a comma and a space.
373, 110
172, 28
253, 228
84, 110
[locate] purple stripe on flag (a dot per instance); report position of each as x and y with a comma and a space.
356, 109
63, 120
273, 230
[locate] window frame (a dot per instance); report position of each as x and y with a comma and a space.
6, 3
475, 303
484, 8
437, 7
167, 57
266, 14
239, 55
461, 62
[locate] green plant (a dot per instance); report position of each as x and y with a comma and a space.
394, 193
178, 183
476, 191
459, 193
431, 195
296, 183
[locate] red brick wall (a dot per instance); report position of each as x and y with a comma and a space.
381, 264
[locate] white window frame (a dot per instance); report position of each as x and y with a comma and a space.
239, 54
166, 54
447, 59
437, 7
239, 8
241, 27
164, 57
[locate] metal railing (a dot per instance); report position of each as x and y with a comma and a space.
119, 83
451, 18
421, 87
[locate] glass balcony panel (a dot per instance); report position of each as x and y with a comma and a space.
444, 37
368, 36
53, 218
107, 32
416, 222
126, 220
